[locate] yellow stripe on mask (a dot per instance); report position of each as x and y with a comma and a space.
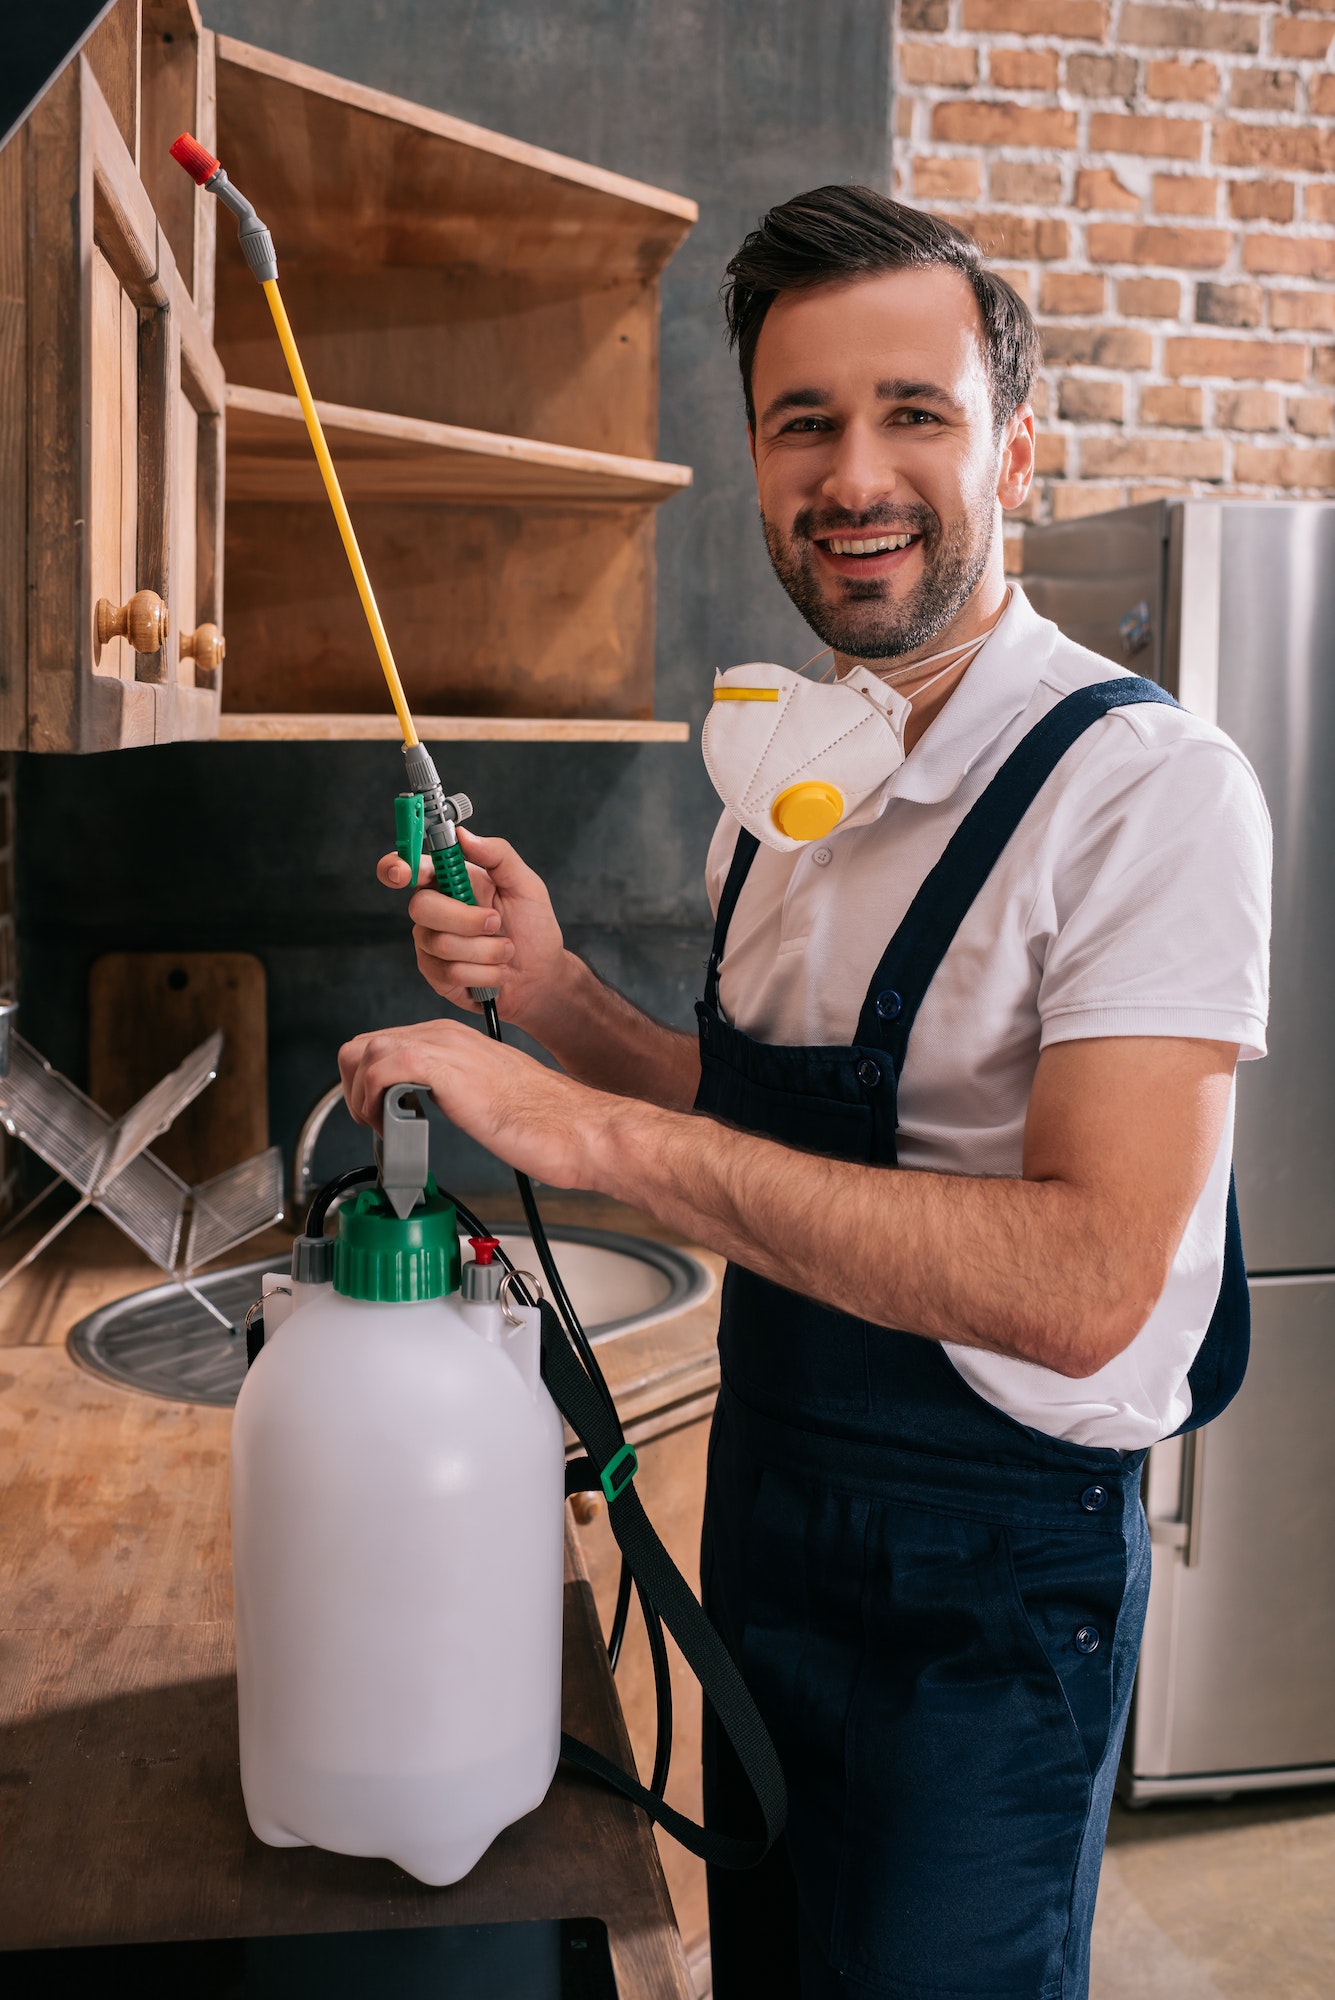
746, 694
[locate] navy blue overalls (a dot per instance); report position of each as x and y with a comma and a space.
937, 1609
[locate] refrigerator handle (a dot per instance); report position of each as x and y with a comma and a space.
1182, 1528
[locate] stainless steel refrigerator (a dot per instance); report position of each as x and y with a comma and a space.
1231, 605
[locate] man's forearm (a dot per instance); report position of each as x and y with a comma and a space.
599, 1036
1026, 1268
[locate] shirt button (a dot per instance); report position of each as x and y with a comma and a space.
1087, 1639
1094, 1499
889, 1004
869, 1073
821, 856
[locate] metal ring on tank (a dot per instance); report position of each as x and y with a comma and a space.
504, 1294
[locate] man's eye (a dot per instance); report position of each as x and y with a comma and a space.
807, 424
920, 418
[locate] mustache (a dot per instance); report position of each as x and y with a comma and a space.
812, 523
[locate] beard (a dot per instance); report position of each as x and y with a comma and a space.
865, 621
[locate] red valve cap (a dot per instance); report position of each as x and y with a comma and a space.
197, 160
485, 1247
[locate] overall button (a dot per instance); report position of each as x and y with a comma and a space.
821, 856
869, 1073
1087, 1639
889, 1005
1094, 1499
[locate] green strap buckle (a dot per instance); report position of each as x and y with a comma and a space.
618, 1472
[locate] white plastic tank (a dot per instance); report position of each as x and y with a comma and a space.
397, 1500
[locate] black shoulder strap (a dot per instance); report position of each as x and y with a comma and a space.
743, 855
611, 1466
917, 948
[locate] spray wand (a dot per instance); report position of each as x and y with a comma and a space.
424, 816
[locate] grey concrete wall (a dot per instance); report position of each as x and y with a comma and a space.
737, 103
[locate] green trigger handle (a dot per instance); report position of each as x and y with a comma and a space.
451, 870
452, 874
409, 826
448, 862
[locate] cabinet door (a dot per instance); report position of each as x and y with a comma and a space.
125, 398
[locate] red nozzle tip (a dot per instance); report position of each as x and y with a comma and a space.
198, 162
485, 1247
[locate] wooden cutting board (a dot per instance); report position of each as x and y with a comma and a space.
149, 1009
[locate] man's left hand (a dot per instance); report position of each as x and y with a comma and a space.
541, 1122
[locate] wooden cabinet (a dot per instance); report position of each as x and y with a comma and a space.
114, 485
479, 322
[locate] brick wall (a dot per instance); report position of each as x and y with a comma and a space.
1158, 182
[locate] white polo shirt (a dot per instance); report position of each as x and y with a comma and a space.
1133, 899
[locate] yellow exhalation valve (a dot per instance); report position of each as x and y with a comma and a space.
808, 811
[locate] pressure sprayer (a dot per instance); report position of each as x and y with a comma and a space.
399, 1471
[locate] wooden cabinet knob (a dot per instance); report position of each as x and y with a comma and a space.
145, 621
206, 646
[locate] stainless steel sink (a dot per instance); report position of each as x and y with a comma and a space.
162, 1343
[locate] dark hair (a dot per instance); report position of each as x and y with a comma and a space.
837, 233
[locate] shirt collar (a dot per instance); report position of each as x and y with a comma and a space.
998, 685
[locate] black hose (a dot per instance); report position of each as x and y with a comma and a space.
583, 1347
653, 1625
330, 1192
617, 1634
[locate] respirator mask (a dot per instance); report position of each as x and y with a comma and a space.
792, 759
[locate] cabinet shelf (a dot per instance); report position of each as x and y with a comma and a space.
276, 728
384, 457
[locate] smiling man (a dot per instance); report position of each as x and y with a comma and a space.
991, 936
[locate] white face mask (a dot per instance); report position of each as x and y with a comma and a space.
792, 758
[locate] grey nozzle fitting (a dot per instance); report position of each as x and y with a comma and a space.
256, 242
441, 814
313, 1260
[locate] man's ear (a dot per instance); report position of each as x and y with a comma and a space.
1015, 472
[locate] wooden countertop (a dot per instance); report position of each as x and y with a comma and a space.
120, 1805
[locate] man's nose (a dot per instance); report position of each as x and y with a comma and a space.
861, 473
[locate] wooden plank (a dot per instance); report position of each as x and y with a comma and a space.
13, 446
112, 363
387, 457
348, 164
146, 1011
185, 500
383, 457
169, 93
205, 129
234, 727
59, 237
118, 1706
112, 52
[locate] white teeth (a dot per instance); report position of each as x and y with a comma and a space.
879, 546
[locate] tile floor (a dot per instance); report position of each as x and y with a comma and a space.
1219, 1902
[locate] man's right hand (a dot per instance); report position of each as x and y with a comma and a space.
510, 940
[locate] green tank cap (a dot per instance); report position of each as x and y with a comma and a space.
393, 1262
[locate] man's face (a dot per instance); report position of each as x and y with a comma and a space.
880, 472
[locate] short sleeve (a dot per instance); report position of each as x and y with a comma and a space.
1157, 919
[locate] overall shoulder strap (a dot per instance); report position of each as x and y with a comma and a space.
743, 855
910, 961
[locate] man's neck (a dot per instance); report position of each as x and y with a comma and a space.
973, 623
